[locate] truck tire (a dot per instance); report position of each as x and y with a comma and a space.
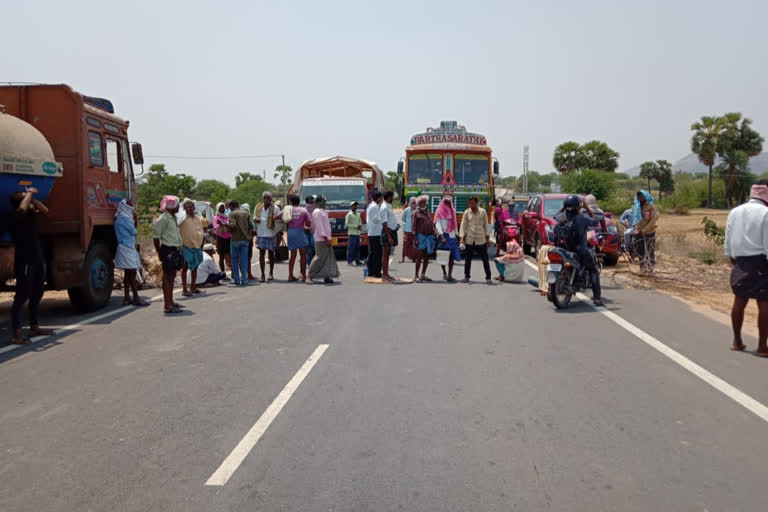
611, 259
98, 269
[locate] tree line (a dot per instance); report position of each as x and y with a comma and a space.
159, 182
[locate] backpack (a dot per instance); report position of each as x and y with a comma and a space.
566, 234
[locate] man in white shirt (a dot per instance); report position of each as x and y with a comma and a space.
388, 233
373, 223
208, 273
746, 244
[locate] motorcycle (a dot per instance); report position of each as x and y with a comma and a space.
511, 231
566, 276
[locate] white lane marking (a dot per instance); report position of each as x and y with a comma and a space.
72, 327
246, 444
710, 378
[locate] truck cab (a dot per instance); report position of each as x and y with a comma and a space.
92, 147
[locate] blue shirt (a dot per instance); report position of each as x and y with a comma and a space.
407, 215
627, 217
125, 231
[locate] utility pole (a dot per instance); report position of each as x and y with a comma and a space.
525, 169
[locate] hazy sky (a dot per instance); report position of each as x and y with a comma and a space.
320, 78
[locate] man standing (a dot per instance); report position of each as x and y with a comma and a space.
373, 221
353, 222
475, 236
192, 235
746, 244
264, 217
423, 231
28, 264
223, 237
167, 240
239, 224
389, 229
208, 272
645, 217
310, 205
325, 265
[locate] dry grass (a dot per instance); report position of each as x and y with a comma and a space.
680, 274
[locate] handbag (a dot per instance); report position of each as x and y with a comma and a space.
281, 251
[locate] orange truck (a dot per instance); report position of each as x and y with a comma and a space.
341, 180
76, 152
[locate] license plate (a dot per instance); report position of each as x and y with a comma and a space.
554, 267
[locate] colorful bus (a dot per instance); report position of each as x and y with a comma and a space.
449, 160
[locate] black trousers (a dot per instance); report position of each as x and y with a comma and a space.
374, 256
30, 280
480, 250
588, 260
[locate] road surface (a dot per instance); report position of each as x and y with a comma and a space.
355, 397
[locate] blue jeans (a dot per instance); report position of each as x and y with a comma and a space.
353, 249
239, 254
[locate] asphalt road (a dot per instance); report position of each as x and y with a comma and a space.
429, 397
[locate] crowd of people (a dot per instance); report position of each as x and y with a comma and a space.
186, 242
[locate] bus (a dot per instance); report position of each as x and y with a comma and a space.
449, 160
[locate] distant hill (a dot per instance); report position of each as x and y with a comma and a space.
690, 164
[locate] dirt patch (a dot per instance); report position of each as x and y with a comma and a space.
681, 270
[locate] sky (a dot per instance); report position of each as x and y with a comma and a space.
308, 79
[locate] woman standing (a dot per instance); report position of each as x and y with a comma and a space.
446, 226
324, 264
297, 221
501, 216
409, 251
127, 257
223, 237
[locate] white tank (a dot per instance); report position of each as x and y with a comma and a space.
24, 150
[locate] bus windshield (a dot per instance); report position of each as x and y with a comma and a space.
338, 196
425, 168
472, 170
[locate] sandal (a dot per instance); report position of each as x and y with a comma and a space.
20, 339
198, 292
186, 294
37, 331
179, 306
174, 310
425, 279
292, 279
140, 303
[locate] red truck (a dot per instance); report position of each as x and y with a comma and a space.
82, 167
340, 180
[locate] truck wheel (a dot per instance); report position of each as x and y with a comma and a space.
98, 269
611, 259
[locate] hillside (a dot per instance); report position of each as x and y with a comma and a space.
690, 164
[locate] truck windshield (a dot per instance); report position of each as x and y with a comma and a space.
338, 196
472, 169
425, 168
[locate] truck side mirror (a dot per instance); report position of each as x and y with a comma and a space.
495, 167
400, 167
138, 153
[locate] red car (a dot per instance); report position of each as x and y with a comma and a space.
538, 221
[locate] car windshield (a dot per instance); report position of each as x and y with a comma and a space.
337, 196
552, 207
425, 168
472, 169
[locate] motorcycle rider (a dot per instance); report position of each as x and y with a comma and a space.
574, 221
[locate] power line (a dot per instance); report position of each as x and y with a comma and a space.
244, 157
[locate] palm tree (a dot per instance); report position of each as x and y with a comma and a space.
704, 142
567, 157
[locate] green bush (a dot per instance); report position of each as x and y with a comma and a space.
601, 184
616, 205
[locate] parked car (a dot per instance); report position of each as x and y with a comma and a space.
538, 221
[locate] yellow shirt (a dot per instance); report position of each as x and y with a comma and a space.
474, 227
191, 229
